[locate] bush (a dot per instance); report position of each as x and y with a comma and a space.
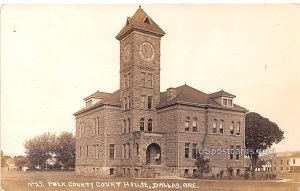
246, 175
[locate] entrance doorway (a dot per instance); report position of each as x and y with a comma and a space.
153, 154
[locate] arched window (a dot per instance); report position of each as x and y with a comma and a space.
187, 124
215, 123
137, 149
195, 123
150, 125
142, 124
232, 128
124, 125
128, 125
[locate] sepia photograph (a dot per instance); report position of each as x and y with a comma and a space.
150, 97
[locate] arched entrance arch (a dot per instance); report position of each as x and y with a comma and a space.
153, 154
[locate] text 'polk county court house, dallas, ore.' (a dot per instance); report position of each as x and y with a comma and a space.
139, 131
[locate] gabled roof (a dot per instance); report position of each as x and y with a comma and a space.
221, 93
189, 95
140, 21
97, 94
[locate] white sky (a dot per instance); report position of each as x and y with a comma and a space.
54, 56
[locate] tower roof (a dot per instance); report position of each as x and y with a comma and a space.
140, 21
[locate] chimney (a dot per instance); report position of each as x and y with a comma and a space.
171, 94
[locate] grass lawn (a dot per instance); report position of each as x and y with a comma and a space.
15, 181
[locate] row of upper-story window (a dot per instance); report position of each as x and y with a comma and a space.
217, 126
97, 154
146, 102
146, 80
127, 125
234, 150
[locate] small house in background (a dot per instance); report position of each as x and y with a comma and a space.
295, 163
11, 164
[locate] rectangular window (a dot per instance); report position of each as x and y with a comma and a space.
111, 171
127, 81
238, 151
125, 103
238, 129
128, 102
124, 79
187, 150
281, 162
150, 80
95, 150
221, 129
111, 151
87, 150
149, 102
98, 151
95, 120
98, 125
143, 75
215, 127
142, 106
230, 102
231, 152
294, 161
224, 101
80, 151
129, 153
194, 150
124, 151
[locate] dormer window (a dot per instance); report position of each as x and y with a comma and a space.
227, 102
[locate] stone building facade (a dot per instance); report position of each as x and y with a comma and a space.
139, 131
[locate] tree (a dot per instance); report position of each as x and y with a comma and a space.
65, 152
40, 148
202, 164
20, 161
260, 134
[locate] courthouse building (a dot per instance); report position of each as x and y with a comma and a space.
140, 131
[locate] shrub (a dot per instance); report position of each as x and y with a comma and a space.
246, 175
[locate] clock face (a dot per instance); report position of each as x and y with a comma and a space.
126, 53
146, 51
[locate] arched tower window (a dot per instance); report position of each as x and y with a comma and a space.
124, 125
150, 125
128, 121
142, 128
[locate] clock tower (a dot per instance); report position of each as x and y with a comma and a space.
139, 72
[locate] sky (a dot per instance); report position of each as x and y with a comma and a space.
54, 56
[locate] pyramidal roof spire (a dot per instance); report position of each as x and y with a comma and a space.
141, 22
